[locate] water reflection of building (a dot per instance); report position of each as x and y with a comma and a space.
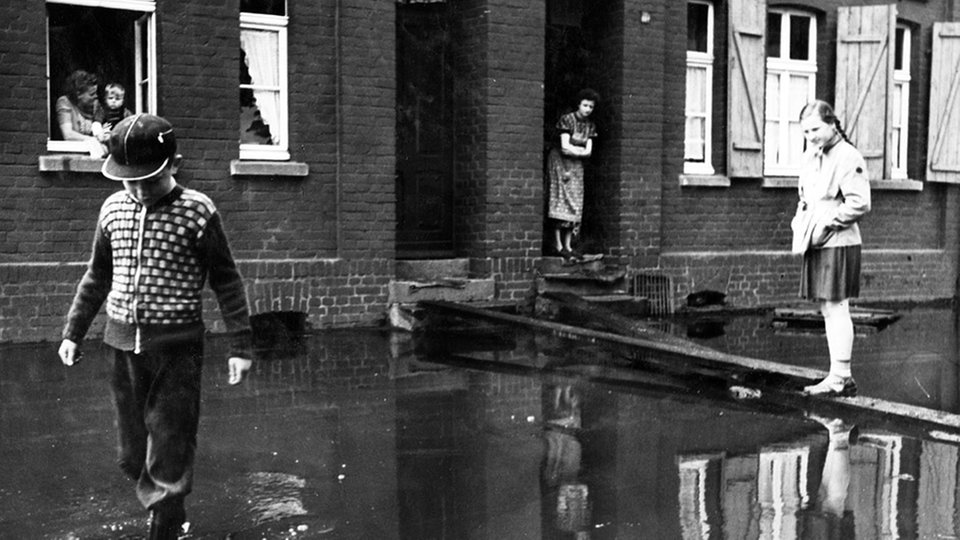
466, 450
912, 361
897, 488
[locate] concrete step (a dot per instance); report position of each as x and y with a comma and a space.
449, 289
404, 295
556, 265
623, 304
609, 280
431, 269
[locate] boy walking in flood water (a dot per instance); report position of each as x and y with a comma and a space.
156, 243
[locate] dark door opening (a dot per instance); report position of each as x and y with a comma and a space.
424, 131
574, 60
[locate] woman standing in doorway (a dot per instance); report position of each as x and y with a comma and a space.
834, 196
565, 172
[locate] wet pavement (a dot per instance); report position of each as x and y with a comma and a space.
484, 431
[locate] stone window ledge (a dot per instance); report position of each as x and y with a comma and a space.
76, 163
704, 180
240, 167
775, 182
79, 163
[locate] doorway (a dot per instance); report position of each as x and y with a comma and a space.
424, 173
574, 59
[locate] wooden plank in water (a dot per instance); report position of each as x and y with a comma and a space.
809, 316
934, 424
652, 341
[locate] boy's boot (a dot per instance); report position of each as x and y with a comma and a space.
166, 520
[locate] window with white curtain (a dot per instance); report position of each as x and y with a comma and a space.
263, 80
113, 42
901, 104
791, 83
699, 103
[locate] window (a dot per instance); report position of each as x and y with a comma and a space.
699, 103
901, 103
112, 40
263, 80
790, 84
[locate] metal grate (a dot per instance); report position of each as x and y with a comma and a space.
657, 290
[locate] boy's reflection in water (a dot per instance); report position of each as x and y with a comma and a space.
829, 517
566, 503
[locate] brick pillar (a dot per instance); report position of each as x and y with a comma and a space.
629, 159
499, 115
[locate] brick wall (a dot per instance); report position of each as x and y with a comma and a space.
321, 243
325, 242
717, 231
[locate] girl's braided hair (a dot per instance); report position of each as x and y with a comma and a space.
826, 113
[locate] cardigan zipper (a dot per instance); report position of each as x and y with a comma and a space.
136, 279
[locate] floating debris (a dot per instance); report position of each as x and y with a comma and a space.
865, 320
742, 392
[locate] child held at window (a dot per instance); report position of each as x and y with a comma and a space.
112, 112
156, 244
834, 196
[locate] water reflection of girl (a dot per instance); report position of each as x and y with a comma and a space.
567, 497
829, 517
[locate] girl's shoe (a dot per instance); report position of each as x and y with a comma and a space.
833, 386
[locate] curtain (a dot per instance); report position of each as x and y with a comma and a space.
262, 52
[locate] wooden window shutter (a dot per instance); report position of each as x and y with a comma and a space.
943, 150
746, 45
864, 99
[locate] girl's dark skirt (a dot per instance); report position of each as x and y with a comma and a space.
831, 273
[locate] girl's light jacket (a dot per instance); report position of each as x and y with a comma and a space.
834, 195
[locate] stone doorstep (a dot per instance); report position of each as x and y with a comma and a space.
583, 288
432, 269
556, 265
449, 289
412, 317
624, 304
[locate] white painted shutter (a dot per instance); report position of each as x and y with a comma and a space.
864, 98
747, 46
943, 150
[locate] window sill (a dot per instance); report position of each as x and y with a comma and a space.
239, 167
775, 182
704, 180
70, 163
779, 182
896, 185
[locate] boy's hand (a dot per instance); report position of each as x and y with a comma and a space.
69, 352
238, 369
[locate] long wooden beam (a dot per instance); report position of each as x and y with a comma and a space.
916, 421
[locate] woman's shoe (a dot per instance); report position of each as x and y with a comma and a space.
833, 386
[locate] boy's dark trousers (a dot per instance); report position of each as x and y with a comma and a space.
157, 394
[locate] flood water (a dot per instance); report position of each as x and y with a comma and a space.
499, 433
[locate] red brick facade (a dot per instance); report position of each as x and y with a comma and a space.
324, 243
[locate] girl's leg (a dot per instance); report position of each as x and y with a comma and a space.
839, 327
557, 241
567, 239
